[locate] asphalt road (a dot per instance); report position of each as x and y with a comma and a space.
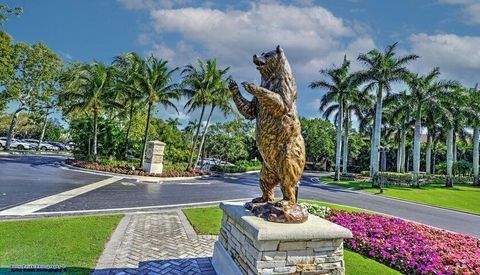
47, 178
24, 178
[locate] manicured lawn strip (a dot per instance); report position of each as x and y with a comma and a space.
208, 221
358, 264
460, 197
74, 242
205, 221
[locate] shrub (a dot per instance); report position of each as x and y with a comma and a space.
410, 247
228, 169
317, 210
129, 171
407, 177
239, 167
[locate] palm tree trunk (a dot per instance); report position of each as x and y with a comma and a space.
204, 135
454, 147
145, 135
128, 128
338, 154
476, 131
407, 168
42, 134
95, 126
376, 137
194, 143
13, 126
403, 154
416, 149
345, 145
399, 152
434, 158
450, 136
428, 155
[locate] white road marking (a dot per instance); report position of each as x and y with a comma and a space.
128, 184
31, 207
194, 183
139, 208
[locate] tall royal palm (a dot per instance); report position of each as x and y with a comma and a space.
382, 68
154, 79
198, 84
90, 88
425, 93
339, 87
473, 109
398, 114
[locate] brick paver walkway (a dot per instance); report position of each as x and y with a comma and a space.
156, 243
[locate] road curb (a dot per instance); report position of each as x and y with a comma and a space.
143, 178
403, 200
128, 210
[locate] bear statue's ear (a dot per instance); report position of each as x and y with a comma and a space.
279, 50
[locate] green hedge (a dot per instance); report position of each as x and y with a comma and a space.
239, 167
431, 178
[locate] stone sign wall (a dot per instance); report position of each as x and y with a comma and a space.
153, 161
264, 249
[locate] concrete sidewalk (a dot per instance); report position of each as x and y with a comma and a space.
157, 243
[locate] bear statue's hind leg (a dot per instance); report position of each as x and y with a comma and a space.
291, 170
268, 181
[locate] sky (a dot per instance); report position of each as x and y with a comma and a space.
315, 34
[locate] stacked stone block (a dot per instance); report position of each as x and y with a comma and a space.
284, 256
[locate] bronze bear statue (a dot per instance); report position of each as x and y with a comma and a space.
278, 133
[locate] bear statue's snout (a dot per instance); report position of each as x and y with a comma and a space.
259, 60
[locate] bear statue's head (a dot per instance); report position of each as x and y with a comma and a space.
271, 64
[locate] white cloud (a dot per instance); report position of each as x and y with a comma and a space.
457, 56
311, 36
470, 9
180, 55
151, 4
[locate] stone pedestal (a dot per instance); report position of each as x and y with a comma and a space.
251, 245
153, 161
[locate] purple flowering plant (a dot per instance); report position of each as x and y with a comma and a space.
410, 247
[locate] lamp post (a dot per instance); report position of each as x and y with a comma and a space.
383, 154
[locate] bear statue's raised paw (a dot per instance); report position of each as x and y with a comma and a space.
248, 86
232, 85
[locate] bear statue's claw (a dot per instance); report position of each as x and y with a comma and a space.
232, 85
259, 200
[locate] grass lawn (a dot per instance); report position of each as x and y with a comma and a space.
460, 197
74, 242
208, 221
205, 221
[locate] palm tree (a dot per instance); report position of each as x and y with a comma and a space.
341, 86
198, 84
90, 88
475, 122
220, 99
127, 66
154, 79
398, 115
383, 68
425, 92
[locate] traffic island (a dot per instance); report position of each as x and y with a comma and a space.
251, 245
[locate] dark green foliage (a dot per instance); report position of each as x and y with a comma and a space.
319, 136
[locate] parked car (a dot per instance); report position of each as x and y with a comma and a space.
16, 144
59, 145
43, 145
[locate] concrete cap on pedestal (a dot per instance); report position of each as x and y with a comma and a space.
261, 230
157, 142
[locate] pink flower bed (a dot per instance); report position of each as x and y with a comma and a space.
409, 247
